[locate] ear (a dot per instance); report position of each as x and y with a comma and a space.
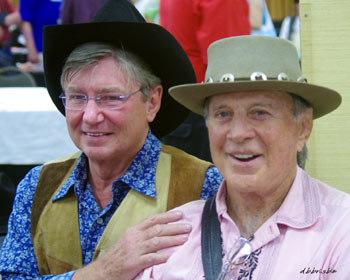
154, 101
305, 123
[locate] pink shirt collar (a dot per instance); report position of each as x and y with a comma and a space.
300, 209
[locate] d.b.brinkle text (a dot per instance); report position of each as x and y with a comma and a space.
317, 271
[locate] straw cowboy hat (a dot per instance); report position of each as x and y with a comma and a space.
249, 63
120, 24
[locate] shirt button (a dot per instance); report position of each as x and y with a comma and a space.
99, 221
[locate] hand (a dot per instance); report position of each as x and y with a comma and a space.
33, 55
138, 248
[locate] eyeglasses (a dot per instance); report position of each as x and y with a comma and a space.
239, 253
78, 101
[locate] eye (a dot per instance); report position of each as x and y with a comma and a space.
223, 115
109, 98
76, 97
260, 114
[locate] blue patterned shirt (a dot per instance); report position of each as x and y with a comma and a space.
17, 259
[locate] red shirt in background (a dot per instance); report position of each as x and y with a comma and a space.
198, 23
7, 7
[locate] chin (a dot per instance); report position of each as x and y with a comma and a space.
242, 180
96, 154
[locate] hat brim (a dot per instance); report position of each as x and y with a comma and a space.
193, 96
151, 42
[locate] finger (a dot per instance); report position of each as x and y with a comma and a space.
136, 265
156, 244
161, 218
167, 230
153, 259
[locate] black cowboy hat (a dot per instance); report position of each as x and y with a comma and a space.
119, 23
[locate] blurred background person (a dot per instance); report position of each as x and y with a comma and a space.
77, 11
8, 16
260, 19
202, 22
290, 28
35, 14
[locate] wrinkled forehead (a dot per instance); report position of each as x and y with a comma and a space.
273, 97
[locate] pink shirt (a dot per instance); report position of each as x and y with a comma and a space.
309, 232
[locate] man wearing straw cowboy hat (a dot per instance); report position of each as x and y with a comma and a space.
269, 219
109, 78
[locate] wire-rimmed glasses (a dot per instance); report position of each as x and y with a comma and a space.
238, 254
78, 101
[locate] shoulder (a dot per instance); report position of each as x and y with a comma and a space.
192, 211
191, 214
331, 196
72, 157
24, 195
334, 206
186, 256
28, 184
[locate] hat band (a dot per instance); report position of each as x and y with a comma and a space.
255, 76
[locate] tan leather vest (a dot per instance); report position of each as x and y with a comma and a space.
55, 226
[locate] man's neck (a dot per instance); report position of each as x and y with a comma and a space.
250, 211
102, 175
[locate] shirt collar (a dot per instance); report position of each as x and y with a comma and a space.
300, 208
140, 175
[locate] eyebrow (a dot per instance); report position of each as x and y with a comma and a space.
103, 90
269, 105
72, 89
111, 89
265, 105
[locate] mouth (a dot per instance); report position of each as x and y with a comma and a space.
245, 157
96, 134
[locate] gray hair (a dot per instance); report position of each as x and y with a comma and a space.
299, 105
135, 69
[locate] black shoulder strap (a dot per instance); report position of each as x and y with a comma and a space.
211, 241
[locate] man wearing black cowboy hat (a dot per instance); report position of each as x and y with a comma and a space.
109, 79
269, 219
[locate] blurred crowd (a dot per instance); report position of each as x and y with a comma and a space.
22, 22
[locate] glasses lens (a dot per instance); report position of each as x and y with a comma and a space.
74, 101
111, 100
239, 253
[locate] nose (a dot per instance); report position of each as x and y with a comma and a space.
92, 113
240, 129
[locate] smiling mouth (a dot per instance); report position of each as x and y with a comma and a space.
96, 134
244, 158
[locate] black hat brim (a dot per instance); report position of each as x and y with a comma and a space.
149, 41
